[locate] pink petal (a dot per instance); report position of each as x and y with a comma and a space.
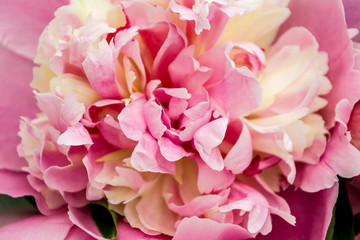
75, 136
196, 207
210, 180
99, 149
238, 93
216, 59
84, 39
176, 108
112, 133
62, 113
153, 117
218, 20
47, 201
212, 134
240, 155
76, 199
313, 212
334, 39
154, 214
69, 178
352, 9
99, 67
125, 231
132, 120
81, 217
198, 229
38, 227
20, 34
206, 140
14, 88
76, 233
171, 151
340, 156
108, 126
354, 126
313, 178
150, 13
15, 184
171, 47
147, 157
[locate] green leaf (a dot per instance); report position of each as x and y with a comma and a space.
7, 202
342, 222
330, 232
104, 219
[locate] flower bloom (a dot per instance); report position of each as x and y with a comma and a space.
189, 119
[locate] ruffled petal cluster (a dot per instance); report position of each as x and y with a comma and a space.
189, 119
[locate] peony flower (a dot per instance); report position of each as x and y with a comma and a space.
178, 119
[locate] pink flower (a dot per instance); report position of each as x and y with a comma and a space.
181, 119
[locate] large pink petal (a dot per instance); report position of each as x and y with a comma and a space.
81, 217
16, 99
352, 9
15, 184
76, 233
69, 178
125, 231
313, 212
334, 39
22, 23
38, 227
340, 156
195, 228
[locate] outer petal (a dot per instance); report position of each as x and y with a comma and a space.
38, 227
76, 233
334, 39
16, 99
352, 9
15, 184
340, 157
125, 231
198, 229
82, 218
313, 212
31, 19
